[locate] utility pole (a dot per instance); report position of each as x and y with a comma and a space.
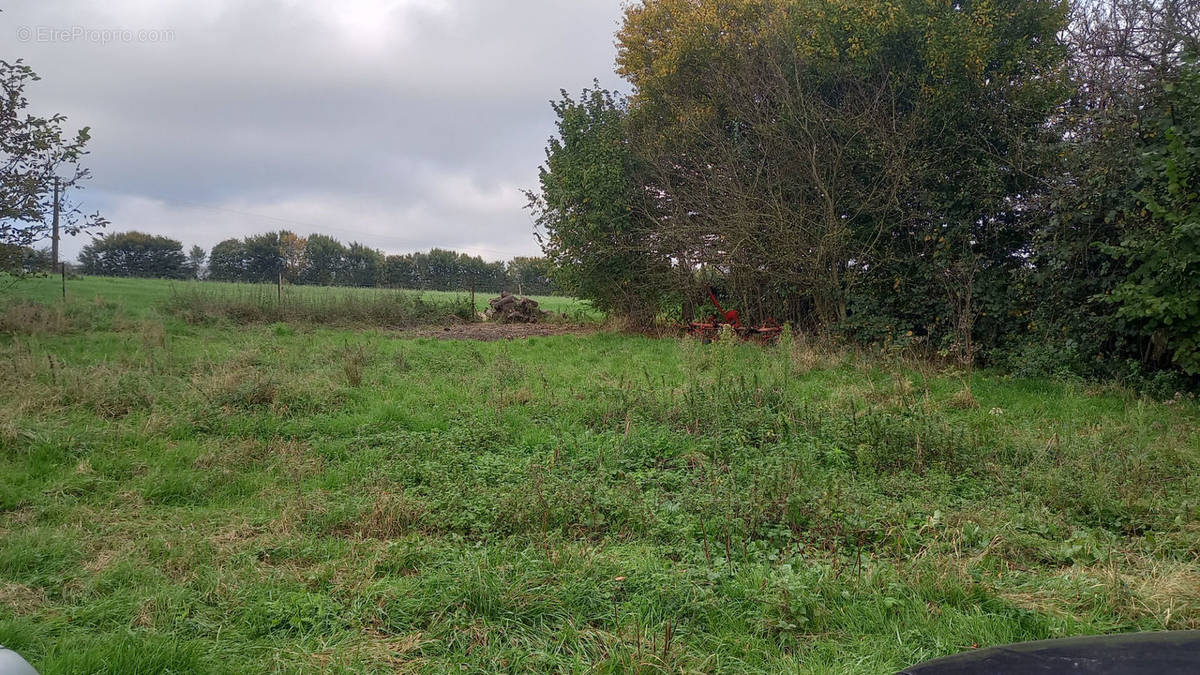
54, 239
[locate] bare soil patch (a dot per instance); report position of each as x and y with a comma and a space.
490, 332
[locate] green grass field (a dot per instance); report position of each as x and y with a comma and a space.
140, 296
283, 497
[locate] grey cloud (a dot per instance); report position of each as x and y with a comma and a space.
404, 124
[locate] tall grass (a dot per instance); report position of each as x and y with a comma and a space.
28, 317
240, 498
260, 304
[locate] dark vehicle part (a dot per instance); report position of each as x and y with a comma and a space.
1163, 653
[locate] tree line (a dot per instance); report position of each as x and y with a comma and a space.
1010, 180
41, 167
313, 260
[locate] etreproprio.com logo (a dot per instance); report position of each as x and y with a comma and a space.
103, 36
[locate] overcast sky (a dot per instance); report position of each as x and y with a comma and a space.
403, 124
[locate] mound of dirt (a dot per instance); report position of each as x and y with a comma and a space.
508, 308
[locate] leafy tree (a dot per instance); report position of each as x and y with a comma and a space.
819, 155
22, 260
440, 270
530, 276
324, 262
39, 163
593, 228
327, 262
291, 249
227, 261
264, 259
364, 265
473, 271
1123, 55
773, 143
135, 254
196, 258
399, 271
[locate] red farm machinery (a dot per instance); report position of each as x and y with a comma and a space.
710, 330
